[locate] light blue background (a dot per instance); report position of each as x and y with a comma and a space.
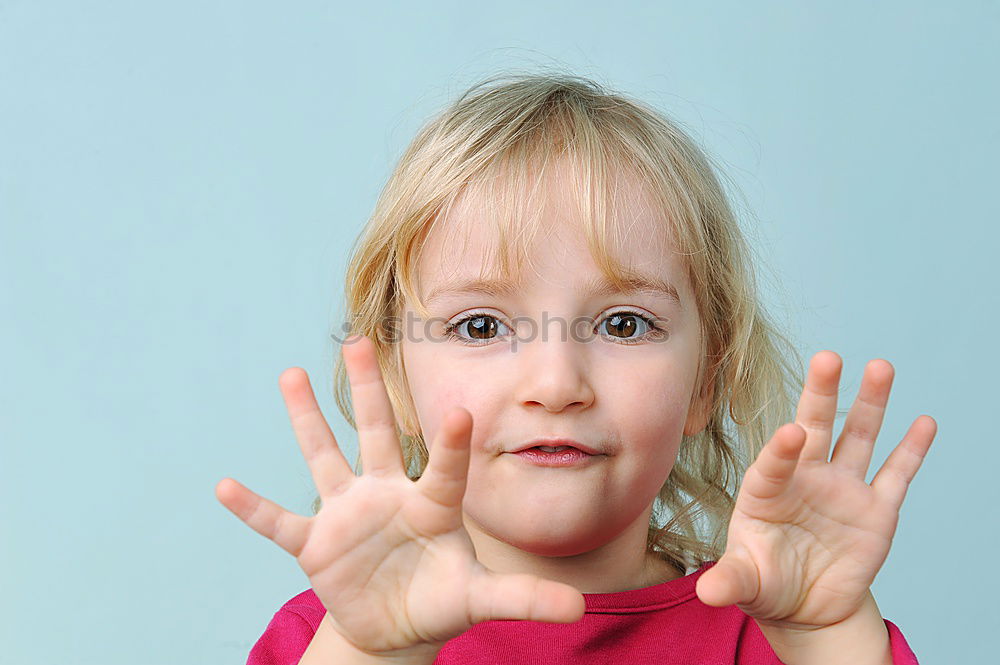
180, 183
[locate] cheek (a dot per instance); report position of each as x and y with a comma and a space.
655, 405
437, 388
651, 425
434, 398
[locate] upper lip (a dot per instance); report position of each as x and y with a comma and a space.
554, 442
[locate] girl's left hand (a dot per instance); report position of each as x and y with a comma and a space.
807, 535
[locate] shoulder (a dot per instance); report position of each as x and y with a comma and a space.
289, 631
305, 605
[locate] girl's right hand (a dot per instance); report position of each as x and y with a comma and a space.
388, 557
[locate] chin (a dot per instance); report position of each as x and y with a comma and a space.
550, 543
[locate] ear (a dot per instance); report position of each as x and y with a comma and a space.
700, 409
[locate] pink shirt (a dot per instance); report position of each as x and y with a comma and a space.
664, 624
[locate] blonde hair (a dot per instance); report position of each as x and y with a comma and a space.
497, 140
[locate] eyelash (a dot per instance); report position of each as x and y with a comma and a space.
655, 332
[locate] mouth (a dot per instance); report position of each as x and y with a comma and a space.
557, 445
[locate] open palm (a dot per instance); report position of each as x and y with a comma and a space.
388, 557
808, 535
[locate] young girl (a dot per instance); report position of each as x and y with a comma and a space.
560, 372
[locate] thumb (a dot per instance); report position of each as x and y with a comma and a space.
732, 580
524, 597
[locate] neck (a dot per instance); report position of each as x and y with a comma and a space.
620, 565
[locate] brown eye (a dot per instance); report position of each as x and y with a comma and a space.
482, 328
623, 326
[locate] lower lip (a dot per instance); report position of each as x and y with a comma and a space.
568, 457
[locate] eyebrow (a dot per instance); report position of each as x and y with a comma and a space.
598, 287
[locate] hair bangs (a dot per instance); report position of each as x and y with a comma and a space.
565, 167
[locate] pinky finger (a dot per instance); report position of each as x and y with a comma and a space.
893, 479
288, 530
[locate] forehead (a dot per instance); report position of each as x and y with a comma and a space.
547, 224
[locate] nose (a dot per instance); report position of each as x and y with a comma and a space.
553, 373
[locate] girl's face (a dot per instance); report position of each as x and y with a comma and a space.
609, 383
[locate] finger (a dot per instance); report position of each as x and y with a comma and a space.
893, 479
523, 597
818, 404
729, 581
444, 480
856, 442
773, 470
327, 464
376, 421
288, 530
